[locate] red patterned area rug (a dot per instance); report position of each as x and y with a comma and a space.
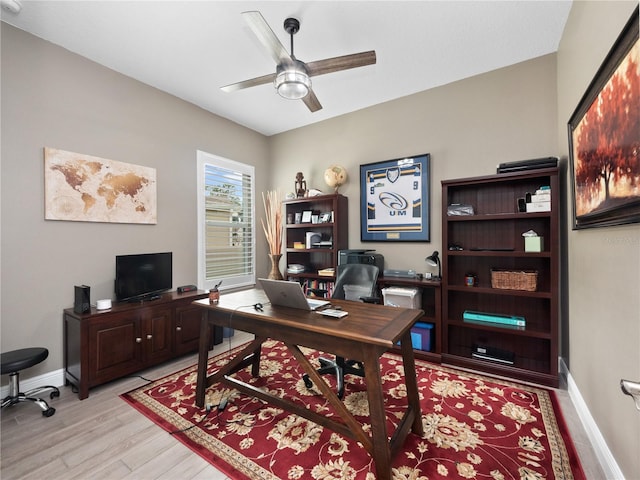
475, 427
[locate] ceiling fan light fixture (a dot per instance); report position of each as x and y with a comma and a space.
292, 84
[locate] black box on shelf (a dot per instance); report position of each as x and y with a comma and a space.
485, 352
524, 165
361, 256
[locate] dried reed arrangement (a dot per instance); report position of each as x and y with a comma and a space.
273, 226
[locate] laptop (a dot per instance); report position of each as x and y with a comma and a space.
289, 294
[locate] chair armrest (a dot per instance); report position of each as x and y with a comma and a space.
370, 299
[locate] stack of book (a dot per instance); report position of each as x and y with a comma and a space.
540, 201
295, 268
327, 272
318, 288
513, 321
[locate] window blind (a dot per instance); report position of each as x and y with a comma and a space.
227, 219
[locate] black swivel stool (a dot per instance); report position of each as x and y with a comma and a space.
12, 363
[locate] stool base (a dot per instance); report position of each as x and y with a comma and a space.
15, 396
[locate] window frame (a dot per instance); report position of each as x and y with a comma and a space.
249, 279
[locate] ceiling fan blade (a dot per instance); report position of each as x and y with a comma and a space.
252, 82
312, 102
345, 62
265, 35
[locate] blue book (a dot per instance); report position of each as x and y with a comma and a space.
512, 320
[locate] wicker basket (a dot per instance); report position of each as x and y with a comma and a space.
514, 280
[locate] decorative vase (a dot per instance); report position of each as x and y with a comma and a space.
275, 274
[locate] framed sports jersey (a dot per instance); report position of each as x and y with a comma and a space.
395, 200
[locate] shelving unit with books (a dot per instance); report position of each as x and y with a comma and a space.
303, 248
487, 271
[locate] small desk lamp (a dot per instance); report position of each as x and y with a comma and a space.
434, 261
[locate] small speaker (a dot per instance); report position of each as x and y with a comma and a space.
82, 299
522, 205
187, 288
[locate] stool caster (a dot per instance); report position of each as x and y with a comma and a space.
48, 412
307, 381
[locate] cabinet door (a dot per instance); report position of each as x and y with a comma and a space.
114, 347
187, 329
156, 335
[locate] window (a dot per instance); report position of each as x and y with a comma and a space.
226, 240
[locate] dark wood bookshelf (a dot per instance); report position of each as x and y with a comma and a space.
491, 239
337, 231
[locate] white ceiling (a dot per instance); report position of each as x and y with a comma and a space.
192, 48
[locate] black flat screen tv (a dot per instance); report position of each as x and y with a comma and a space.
143, 276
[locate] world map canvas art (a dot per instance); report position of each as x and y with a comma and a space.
84, 188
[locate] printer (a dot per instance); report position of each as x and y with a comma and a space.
361, 256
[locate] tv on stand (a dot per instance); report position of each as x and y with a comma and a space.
144, 276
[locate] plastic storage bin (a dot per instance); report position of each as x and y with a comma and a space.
422, 336
402, 297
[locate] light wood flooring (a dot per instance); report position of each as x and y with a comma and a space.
101, 437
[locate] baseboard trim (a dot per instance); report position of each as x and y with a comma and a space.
55, 378
600, 447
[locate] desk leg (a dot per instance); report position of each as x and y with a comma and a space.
381, 449
203, 354
413, 398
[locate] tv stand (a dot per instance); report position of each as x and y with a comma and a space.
103, 345
145, 298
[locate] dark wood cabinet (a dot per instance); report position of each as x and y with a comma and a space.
485, 245
332, 212
187, 329
431, 305
114, 348
101, 346
156, 335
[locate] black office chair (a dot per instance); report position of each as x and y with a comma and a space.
16, 360
354, 281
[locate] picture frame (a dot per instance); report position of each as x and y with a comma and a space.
325, 217
604, 139
306, 216
395, 200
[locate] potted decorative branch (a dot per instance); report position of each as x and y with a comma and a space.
273, 230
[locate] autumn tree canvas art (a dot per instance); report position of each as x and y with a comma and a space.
605, 139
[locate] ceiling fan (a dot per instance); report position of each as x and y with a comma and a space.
292, 77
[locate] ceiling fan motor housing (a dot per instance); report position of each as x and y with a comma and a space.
291, 25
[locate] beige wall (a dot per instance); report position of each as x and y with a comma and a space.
468, 127
604, 263
53, 98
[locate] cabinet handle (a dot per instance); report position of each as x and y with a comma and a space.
149, 337
138, 340
178, 328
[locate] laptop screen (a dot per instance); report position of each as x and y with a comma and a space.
289, 294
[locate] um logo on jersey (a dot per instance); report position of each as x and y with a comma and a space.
393, 201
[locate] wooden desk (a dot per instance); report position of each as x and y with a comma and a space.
365, 334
